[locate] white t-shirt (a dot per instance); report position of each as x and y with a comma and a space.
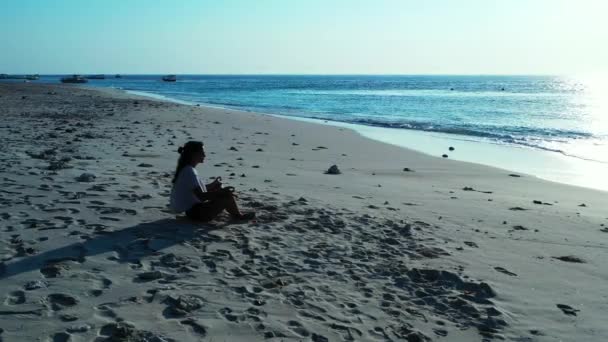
182, 194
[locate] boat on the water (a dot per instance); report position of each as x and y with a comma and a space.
170, 78
117, 76
73, 79
96, 77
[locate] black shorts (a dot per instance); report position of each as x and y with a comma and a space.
205, 211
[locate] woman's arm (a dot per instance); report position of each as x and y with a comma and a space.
204, 195
215, 185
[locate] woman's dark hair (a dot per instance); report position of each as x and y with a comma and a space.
185, 155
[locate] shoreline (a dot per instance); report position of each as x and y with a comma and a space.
548, 165
401, 245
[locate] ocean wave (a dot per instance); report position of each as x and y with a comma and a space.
423, 92
509, 134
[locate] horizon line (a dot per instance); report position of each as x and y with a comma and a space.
292, 74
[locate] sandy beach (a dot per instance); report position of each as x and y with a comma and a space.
399, 246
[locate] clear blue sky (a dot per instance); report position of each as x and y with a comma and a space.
304, 36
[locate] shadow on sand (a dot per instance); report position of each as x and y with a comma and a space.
130, 244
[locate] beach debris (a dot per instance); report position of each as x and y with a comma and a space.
514, 175
407, 169
444, 155
517, 208
541, 202
451, 148
333, 170
567, 309
468, 188
259, 150
86, 177
570, 258
35, 284
149, 276
582, 205
46, 154
505, 271
519, 228
59, 164
145, 165
183, 304
232, 148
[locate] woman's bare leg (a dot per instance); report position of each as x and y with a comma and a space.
231, 207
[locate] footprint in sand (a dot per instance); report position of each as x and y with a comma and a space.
197, 327
15, 298
60, 337
60, 301
298, 328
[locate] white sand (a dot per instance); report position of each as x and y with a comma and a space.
375, 253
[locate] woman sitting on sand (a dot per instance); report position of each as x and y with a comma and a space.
200, 202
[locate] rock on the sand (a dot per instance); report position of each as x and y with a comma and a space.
333, 170
86, 177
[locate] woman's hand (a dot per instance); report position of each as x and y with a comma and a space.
215, 185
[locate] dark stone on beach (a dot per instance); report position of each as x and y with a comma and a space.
582, 205
451, 148
537, 202
333, 170
570, 258
444, 155
233, 148
145, 165
468, 188
567, 309
259, 150
86, 177
407, 169
514, 175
